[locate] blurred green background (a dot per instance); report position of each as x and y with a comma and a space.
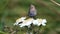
10, 10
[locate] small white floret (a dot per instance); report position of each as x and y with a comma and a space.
19, 20
27, 22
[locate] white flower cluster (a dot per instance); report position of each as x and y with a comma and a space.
27, 22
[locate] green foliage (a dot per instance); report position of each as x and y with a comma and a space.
3, 32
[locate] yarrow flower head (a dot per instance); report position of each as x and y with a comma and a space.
30, 21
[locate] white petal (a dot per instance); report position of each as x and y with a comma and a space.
43, 24
39, 24
35, 22
44, 21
